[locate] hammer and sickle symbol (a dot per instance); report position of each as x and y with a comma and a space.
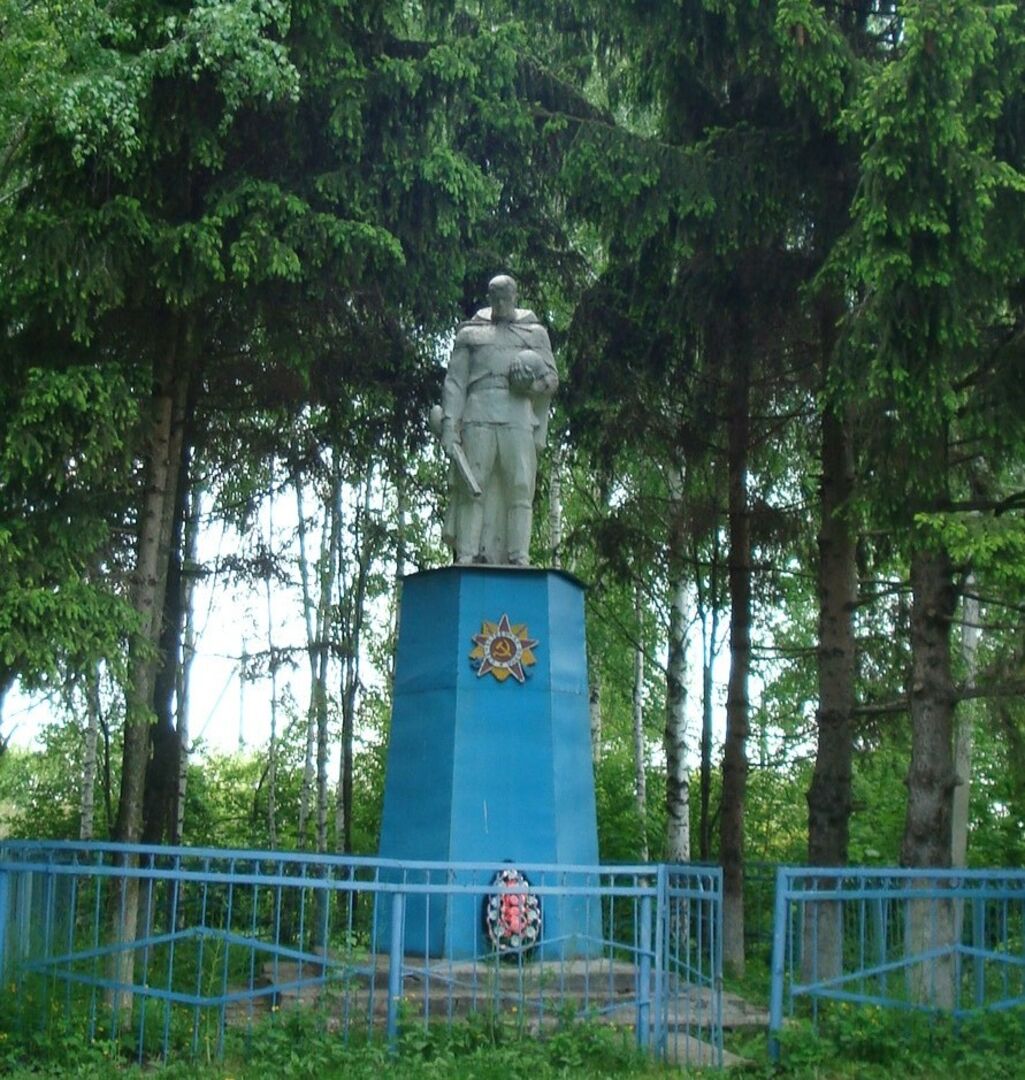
502, 649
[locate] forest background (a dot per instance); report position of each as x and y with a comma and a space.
780, 249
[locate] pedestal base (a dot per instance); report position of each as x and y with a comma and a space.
489, 759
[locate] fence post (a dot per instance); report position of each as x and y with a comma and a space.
644, 972
779, 954
979, 944
23, 914
395, 958
663, 916
4, 905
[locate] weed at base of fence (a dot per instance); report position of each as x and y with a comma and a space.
299, 1045
866, 1042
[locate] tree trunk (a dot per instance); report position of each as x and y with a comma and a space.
108, 781
92, 730
677, 777
152, 549
640, 778
708, 614
272, 661
6, 682
354, 608
931, 780
963, 733
707, 690
316, 614
306, 786
734, 781
594, 712
163, 767
188, 654
555, 506
329, 572
829, 797
400, 569
152, 552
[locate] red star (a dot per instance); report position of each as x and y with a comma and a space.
503, 649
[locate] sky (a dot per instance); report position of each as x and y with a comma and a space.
227, 713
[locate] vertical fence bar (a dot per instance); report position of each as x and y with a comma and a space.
71, 915
49, 926
778, 969
644, 970
669, 917
96, 936
880, 909
398, 913
376, 916
254, 933
717, 918
172, 920
229, 915
979, 942
661, 927
147, 932
23, 915
200, 950
5, 901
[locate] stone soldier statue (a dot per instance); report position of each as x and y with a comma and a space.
493, 420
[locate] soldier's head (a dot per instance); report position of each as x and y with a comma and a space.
502, 294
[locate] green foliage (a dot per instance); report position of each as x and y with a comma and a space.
869, 1043
40, 790
621, 832
997, 793
64, 447
299, 1043
850, 1043
994, 546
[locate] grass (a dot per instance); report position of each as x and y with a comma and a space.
849, 1043
869, 1043
298, 1044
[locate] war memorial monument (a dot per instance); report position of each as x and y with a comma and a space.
489, 759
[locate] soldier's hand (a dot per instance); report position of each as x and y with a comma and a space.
521, 375
449, 438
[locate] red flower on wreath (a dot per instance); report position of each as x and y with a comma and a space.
512, 920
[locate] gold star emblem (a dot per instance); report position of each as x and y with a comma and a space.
503, 649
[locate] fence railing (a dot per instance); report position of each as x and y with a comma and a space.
951, 941
189, 950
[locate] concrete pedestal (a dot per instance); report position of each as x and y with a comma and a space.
490, 757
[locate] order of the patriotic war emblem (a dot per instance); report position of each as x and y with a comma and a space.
503, 649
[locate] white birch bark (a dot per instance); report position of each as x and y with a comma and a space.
555, 506
355, 613
329, 572
640, 778
316, 614
963, 725
92, 728
272, 749
188, 656
677, 776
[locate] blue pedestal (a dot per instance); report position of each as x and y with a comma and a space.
488, 770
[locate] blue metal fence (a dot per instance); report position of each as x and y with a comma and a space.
950, 941
189, 950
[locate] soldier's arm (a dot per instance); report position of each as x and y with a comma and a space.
546, 382
453, 392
